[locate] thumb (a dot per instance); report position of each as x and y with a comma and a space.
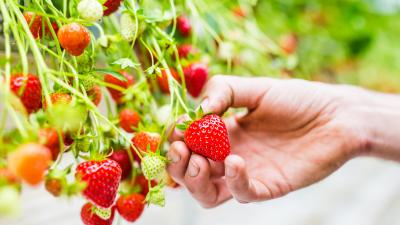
223, 92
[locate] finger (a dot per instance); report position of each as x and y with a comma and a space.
222, 92
198, 182
179, 156
243, 188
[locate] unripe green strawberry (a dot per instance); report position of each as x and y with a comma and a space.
90, 10
153, 166
87, 82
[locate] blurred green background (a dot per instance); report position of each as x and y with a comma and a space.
345, 41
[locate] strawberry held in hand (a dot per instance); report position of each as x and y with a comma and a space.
208, 137
102, 179
29, 89
196, 75
74, 38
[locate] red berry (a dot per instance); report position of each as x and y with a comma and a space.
96, 95
49, 137
144, 141
289, 43
183, 25
102, 179
208, 137
130, 207
116, 94
129, 119
163, 80
144, 184
112, 6
29, 89
185, 50
90, 218
122, 158
36, 25
74, 38
196, 75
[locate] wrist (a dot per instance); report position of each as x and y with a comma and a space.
379, 120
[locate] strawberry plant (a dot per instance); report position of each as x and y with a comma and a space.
99, 85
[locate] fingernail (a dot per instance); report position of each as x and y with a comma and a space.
193, 169
230, 171
173, 157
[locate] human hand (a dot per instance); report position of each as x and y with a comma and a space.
294, 134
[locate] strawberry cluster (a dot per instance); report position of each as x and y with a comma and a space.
104, 101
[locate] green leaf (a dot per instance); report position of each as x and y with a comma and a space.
112, 73
192, 115
181, 127
126, 62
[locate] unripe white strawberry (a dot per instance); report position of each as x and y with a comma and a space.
153, 166
128, 27
90, 10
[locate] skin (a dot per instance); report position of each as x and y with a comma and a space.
294, 134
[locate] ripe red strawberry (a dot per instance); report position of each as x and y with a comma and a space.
49, 137
74, 38
112, 6
196, 75
144, 184
130, 207
288, 43
102, 179
89, 216
116, 94
122, 158
58, 98
183, 25
36, 25
29, 89
95, 94
129, 119
185, 50
208, 137
144, 141
163, 80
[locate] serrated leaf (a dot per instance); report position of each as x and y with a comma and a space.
126, 62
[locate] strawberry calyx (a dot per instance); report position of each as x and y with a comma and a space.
156, 195
193, 115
